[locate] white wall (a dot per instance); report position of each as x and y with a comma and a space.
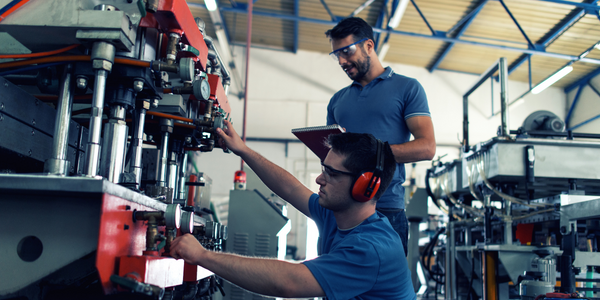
587, 107
289, 90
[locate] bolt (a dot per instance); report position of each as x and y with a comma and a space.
138, 85
33, 122
127, 207
2, 106
188, 139
155, 103
126, 226
29, 152
82, 83
1, 118
6, 84
33, 132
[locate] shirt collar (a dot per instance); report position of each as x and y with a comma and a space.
387, 73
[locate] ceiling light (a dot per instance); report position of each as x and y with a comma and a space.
395, 20
552, 79
211, 5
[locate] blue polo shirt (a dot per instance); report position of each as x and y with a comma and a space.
381, 108
359, 263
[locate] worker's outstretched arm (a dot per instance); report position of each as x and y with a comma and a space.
264, 276
276, 178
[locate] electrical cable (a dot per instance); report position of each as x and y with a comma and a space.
29, 68
10, 8
168, 116
470, 172
71, 58
39, 54
471, 210
481, 170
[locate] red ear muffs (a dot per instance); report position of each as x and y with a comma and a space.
365, 187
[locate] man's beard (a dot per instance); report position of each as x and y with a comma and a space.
362, 68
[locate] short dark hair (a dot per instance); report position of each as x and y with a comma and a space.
360, 150
355, 26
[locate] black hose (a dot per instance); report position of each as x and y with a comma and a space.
428, 188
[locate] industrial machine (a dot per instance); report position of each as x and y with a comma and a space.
100, 103
522, 209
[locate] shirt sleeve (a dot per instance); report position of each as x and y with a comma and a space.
416, 101
317, 212
351, 269
330, 115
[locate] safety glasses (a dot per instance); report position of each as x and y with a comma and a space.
345, 52
329, 172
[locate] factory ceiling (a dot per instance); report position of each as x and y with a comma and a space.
538, 37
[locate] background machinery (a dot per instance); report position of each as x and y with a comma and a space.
522, 210
100, 103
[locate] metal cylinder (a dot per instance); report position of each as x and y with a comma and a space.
93, 146
161, 170
503, 70
135, 166
172, 47
173, 173
58, 163
182, 177
113, 144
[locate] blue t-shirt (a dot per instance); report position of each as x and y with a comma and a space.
381, 108
359, 263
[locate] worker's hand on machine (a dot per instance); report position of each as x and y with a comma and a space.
231, 139
187, 248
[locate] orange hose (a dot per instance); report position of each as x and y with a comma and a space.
66, 58
132, 62
47, 53
167, 116
43, 60
12, 9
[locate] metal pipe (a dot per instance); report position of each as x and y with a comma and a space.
224, 71
58, 163
173, 173
137, 141
114, 144
503, 69
161, 171
182, 177
248, 44
93, 146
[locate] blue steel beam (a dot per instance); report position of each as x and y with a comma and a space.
387, 35
531, 46
296, 25
587, 6
379, 24
466, 21
423, 17
573, 105
360, 8
584, 122
413, 34
582, 80
333, 17
572, 18
594, 88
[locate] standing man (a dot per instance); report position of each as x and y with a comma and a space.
359, 257
380, 102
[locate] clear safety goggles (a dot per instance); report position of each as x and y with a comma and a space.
345, 52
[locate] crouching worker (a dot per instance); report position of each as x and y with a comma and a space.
358, 248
